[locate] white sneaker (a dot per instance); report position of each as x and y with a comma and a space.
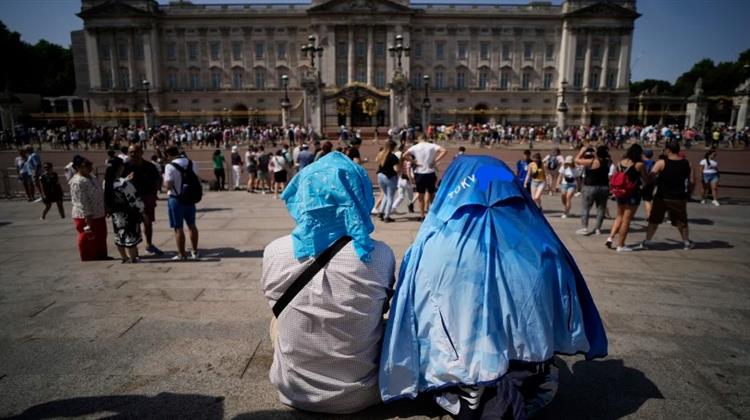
624, 249
715, 203
577, 194
178, 257
597, 231
583, 231
194, 255
703, 201
689, 245
563, 216
644, 244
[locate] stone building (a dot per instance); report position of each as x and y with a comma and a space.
511, 63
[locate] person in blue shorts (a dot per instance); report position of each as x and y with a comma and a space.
180, 213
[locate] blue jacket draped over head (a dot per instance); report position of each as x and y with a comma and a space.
486, 281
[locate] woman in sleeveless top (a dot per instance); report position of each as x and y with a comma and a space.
536, 177
633, 167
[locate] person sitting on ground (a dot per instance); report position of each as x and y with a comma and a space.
327, 340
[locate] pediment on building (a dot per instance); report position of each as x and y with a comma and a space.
113, 8
359, 7
603, 9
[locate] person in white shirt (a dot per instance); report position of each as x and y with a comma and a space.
180, 213
552, 163
710, 170
567, 181
424, 156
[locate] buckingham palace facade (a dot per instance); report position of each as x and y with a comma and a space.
507, 63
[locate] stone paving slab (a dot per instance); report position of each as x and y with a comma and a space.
166, 339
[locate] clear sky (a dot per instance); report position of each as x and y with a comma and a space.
669, 38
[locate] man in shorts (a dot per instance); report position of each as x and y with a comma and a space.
674, 184
264, 178
424, 156
180, 213
146, 178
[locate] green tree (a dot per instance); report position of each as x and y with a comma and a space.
44, 68
662, 86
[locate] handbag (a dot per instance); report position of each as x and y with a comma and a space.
307, 275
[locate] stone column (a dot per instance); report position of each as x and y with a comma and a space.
587, 62
148, 59
370, 57
350, 56
571, 57
605, 65
155, 57
328, 61
92, 56
134, 82
113, 59
742, 113
71, 114
390, 63
623, 72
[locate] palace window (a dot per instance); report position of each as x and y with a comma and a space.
461, 79
418, 50
506, 50
171, 51
124, 78
528, 50
594, 79
380, 49
215, 48
462, 50
192, 48
107, 79
236, 50
341, 50
172, 80
416, 79
360, 50
195, 79
439, 84
526, 80
483, 76
106, 52
122, 51
611, 79
547, 83
580, 50
281, 50
578, 78
341, 76
361, 74
380, 78
614, 51
596, 51
138, 51
440, 50
260, 50
549, 53
237, 79
260, 79
484, 50
504, 79
215, 79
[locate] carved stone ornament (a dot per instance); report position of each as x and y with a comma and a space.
399, 85
311, 85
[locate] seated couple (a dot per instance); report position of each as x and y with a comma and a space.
486, 295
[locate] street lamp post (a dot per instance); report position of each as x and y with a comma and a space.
285, 104
562, 107
311, 50
147, 108
426, 104
397, 49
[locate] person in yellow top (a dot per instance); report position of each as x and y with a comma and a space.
536, 176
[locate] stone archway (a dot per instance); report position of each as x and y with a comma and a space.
480, 113
239, 115
359, 105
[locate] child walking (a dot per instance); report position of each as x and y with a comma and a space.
51, 191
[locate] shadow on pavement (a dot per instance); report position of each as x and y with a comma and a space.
701, 221
211, 209
164, 405
230, 253
599, 390
422, 406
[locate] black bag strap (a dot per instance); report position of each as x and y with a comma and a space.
308, 274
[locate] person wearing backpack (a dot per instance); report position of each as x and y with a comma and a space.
625, 186
184, 191
553, 162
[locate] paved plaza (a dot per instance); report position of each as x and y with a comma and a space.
164, 339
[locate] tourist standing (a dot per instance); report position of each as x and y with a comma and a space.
236, 167
125, 207
51, 191
146, 178
673, 187
710, 176
304, 157
552, 164
595, 186
522, 167
89, 216
424, 157
180, 210
387, 179
536, 178
628, 187
279, 164
264, 179
251, 163
218, 163
567, 182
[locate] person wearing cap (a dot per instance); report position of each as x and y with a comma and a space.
567, 180
304, 157
236, 167
89, 216
327, 338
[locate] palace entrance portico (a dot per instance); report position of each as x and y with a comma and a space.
357, 105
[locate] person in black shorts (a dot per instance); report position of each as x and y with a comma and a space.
424, 156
